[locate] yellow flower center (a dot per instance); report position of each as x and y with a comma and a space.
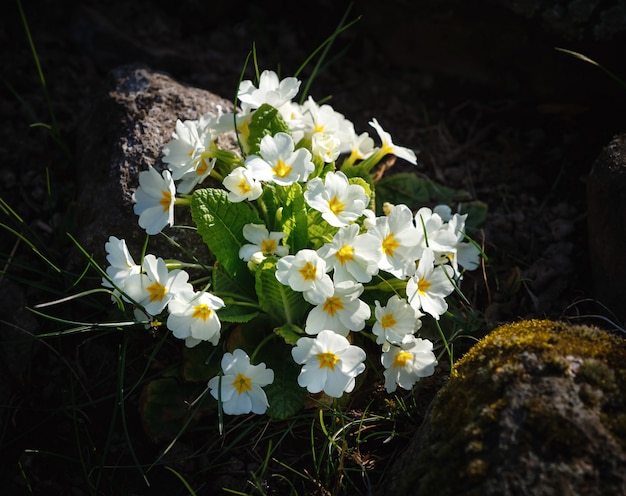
401, 359
244, 187
345, 254
166, 200
242, 383
336, 206
202, 167
268, 246
202, 311
281, 169
157, 291
388, 321
422, 286
327, 359
390, 245
319, 128
308, 272
332, 305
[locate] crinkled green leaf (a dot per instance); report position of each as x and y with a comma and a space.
265, 120
220, 223
294, 218
224, 283
289, 332
415, 191
271, 205
164, 407
476, 215
284, 395
237, 313
201, 362
280, 302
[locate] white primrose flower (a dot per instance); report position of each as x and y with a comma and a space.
359, 147
340, 202
196, 175
434, 232
240, 387
395, 321
399, 241
428, 287
329, 363
184, 151
342, 312
271, 91
193, 317
306, 272
326, 120
463, 253
156, 286
325, 147
407, 363
122, 265
154, 200
242, 186
279, 162
262, 243
353, 256
388, 146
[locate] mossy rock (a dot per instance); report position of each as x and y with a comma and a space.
535, 408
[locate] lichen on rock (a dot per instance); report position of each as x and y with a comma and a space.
536, 407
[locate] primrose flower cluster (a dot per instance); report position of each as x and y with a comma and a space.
295, 236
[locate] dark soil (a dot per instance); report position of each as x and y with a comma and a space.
480, 93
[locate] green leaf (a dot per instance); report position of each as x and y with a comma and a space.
220, 223
271, 204
284, 395
164, 407
415, 191
201, 362
279, 302
289, 332
237, 313
294, 218
224, 283
476, 215
265, 120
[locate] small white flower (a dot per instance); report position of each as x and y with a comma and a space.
242, 186
156, 286
398, 240
428, 287
340, 202
122, 265
240, 387
271, 91
154, 200
342, 312
325, 147
262, 243
306, 272
279, 162
407, 363
193, 317
329, 363
353, 256
395, 321
388, 146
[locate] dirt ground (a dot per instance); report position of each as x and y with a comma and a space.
481, 95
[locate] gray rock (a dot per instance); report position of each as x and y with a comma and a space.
535, 408
122, 135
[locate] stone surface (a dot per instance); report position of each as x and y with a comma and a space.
535, 408
606, 221
122, 135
